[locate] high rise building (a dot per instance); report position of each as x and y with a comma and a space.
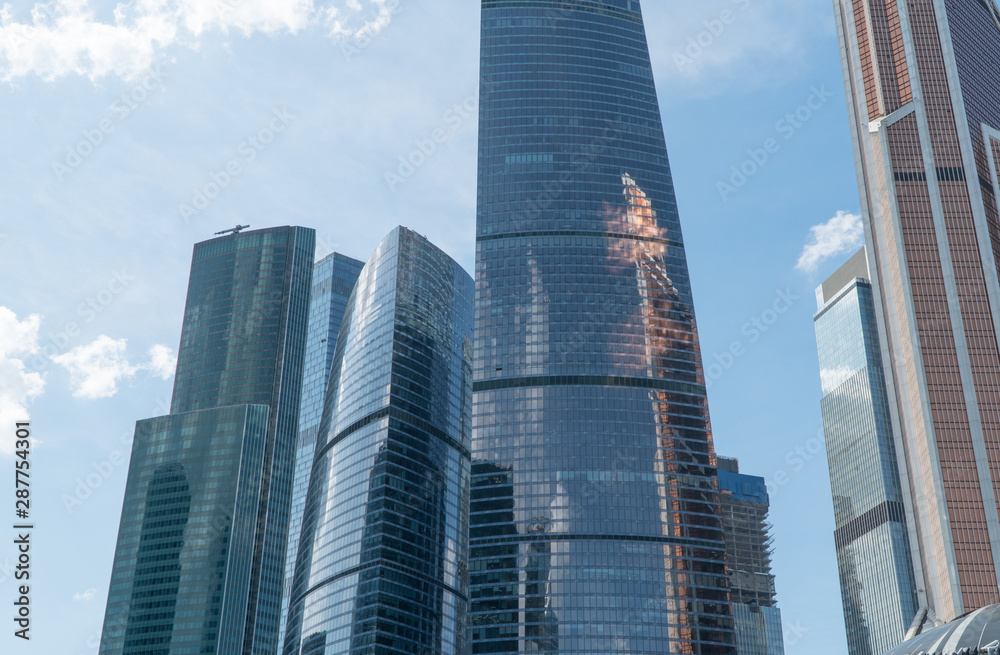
382, 564
595, 520
199, 561
333, 280
872, 542
745, 507
923, 82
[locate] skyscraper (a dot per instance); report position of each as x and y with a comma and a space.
745, 507
200, 553
333, 280
922, 77
595, 520
873, 546
382, 565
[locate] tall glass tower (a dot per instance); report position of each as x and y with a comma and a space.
382, 565
595, 520
199, 561
333, 280
923, 82
873, 546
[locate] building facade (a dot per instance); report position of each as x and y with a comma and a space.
872, 540
745, 507
333, 280
382, 564
596, 524
922, 78
201, 546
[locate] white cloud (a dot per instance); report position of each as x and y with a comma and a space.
96, 368
162, 362
85, 596
842, 233
65, 37
18, 387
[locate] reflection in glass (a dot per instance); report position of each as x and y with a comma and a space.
382, 564
595, 519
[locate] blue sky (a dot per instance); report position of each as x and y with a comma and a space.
131, 133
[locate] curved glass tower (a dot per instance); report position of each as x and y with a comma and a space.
382, 566
595, 520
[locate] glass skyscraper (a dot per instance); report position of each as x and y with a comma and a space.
873, 547
595, 518
745, 507
923, 84
199, 561
382, 564
333, 280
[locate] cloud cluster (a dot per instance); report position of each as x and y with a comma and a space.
65, 37
85, 596
96, 368
162, 362
17, 386
841, 234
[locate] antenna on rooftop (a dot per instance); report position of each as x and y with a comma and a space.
233, 230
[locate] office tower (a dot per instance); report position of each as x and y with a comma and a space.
199, 561
332, 283
596, 524
922, 78
745, 506
382, 565
873, 546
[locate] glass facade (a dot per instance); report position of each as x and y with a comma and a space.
873, 548
922, 78
382, 564
595, 518
243, 343
977, 633
185, 549
745, 507
333, 280
758, 630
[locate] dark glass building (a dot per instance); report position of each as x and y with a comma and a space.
382, 565
745, 507
199, 562
333, 280
595, 519
873, 547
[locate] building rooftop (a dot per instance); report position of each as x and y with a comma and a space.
854, 268
973, 634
